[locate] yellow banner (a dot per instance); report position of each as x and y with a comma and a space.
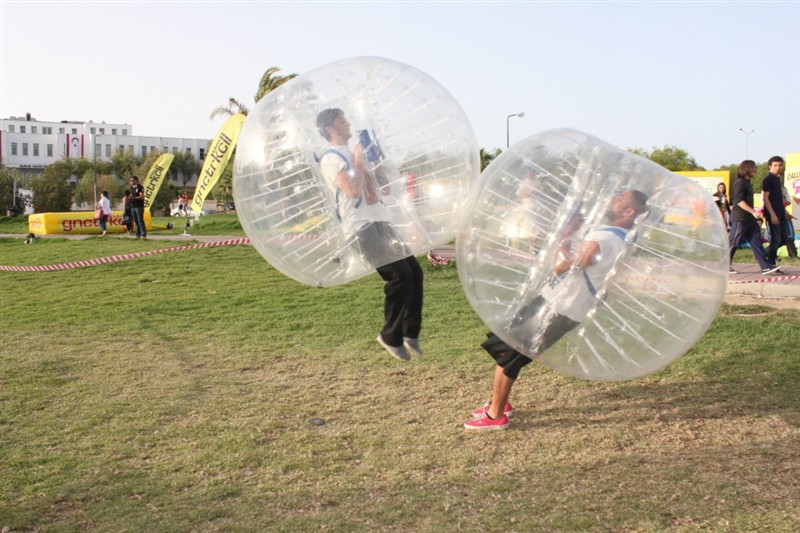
791, 180
154, 178
218, 155
77, 223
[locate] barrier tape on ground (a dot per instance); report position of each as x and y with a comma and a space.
764, 280
118, 258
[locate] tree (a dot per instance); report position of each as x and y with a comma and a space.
51, 189
123, 164
184, 167
488, 157
234, 107
84, 190
269, 82
669, 157
10, 198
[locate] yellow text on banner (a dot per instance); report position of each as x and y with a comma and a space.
154, 178
218, 155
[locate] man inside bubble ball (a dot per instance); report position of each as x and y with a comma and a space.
358, 191
579, 269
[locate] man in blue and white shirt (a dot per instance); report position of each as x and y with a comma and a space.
358, 190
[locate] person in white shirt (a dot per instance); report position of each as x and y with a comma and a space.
578, 275
358, 189
104, 204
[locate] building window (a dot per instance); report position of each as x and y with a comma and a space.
102, 130
202, 154
144, 150
13, 148
108, 150
92, 131
35, 149
22, 129
174, 149
130, 149
47, 130
49, 150
10, 128
124, 131
24, 149
113, 131
74, 131
60, 130
33, 129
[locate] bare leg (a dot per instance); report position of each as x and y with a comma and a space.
501, 389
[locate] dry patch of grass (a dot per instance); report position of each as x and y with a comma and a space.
214, 394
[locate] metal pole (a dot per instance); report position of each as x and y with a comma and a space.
520, 115
94, 150
746, 142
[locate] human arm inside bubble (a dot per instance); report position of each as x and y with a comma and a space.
360, 179
585, 255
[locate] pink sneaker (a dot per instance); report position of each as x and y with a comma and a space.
480, 412
487, 423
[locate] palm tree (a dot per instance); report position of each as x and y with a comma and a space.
269, 82
234, 106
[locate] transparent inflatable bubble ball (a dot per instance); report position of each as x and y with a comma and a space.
594, 261
351, 166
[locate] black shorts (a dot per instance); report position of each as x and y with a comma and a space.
510, 359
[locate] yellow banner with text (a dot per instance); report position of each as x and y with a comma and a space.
218, 155
77, 223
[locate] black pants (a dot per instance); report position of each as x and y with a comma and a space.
779, 236
402, 307
510, 359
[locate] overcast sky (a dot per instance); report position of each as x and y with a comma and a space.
635, 74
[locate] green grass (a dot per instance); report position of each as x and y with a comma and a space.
176, 393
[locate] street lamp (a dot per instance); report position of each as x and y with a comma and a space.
746, 144
520, 115
94, 150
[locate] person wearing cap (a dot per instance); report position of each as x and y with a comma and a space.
358, 191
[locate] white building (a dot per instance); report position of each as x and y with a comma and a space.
29, 145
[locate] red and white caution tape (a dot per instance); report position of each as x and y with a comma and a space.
118, 258
765, 280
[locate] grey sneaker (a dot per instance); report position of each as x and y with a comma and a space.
771, 270
398, 352
412, 345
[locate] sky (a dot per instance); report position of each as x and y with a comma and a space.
645, 75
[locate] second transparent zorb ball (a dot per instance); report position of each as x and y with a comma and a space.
544, 266
352, 166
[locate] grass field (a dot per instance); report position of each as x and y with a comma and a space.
181, 392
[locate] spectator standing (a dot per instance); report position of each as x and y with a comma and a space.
104, 205
127, 216
137, 207
774, 210
723, 203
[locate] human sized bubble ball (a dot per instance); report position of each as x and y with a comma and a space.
594, 261
351, 166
